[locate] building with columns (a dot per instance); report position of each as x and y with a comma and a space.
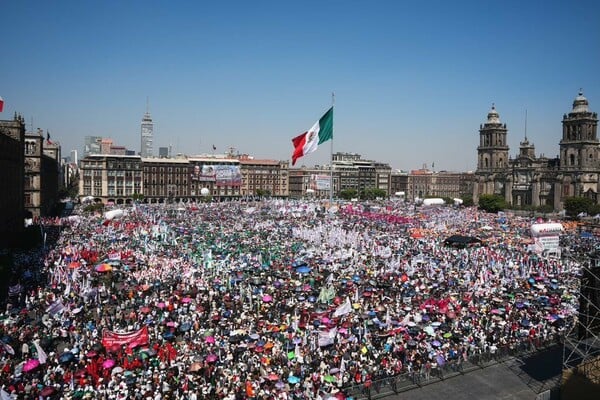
530, 180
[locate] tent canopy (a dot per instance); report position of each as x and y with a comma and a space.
461, 241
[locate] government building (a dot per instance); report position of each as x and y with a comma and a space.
529, 180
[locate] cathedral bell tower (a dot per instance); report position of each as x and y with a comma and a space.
492, 175
579, 144
579, 153
492, 152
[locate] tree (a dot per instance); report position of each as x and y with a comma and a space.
372, 193
577, 205
491, 203
467, 201
263, 192
348, 194
137, 197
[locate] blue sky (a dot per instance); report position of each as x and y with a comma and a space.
413, 80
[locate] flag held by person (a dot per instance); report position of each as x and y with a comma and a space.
309, 141
1, 103
343, 309
41, 354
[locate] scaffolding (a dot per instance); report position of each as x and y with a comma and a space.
581, 350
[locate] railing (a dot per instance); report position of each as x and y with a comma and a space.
383, 386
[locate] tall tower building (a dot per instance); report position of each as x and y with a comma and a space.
74, 158
492, 157
492, 150
147, 135
579, 144
92, 145
579, 151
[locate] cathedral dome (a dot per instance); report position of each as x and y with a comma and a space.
493, 117
580, 104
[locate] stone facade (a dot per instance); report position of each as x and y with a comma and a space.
530, 180
12, 212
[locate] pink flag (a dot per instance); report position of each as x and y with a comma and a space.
1, 104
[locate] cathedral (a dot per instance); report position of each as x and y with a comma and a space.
528, 180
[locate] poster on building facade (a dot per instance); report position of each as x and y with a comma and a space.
320, 182
228, 175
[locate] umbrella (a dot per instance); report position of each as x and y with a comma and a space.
211, 358
91, 354
293, 379
440, 360
273, 377
31, 364
195, 367
48, 391
66, 357
74, 265
447, 335
186, 326
145, 310
108, 363
436, 343
210, 339
103, 268
117, 370
329, 378
304, 269
267, 298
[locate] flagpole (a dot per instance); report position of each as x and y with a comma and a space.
331, 156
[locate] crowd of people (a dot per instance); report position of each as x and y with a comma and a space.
272, 300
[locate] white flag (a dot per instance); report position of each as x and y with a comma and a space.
41, 354
4, 395
343, 309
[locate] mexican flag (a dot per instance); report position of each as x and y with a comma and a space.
309, 141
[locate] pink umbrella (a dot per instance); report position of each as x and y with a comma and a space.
186, 300
211, 358
104, 268
30, 365
161, 305
171, 324
108, 364
267, 298
210, 339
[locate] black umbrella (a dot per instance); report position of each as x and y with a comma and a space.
66, 357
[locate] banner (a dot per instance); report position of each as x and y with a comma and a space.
110, 338
222, 175
228, 175
320, 182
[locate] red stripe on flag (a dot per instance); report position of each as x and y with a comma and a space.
298, 142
